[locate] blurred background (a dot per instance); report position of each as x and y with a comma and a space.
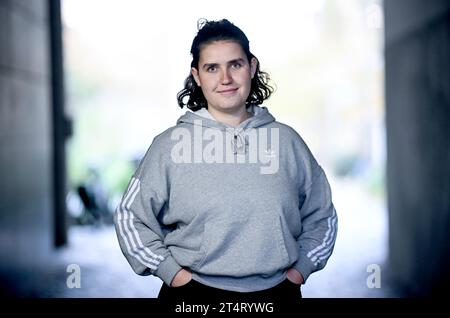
85, 86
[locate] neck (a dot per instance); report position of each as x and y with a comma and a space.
231, 118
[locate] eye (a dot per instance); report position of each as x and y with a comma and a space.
236, 65
211, 69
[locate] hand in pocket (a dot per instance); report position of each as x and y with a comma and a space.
181, 278
294, 276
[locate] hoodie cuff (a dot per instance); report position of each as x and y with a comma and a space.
167, 270
305, 267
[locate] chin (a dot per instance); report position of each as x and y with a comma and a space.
231, 105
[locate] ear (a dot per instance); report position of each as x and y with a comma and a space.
253, 64
194, 73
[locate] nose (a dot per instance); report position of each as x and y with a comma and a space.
226, 77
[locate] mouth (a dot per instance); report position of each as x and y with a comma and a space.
228, 91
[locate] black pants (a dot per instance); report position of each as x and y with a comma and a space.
195, 293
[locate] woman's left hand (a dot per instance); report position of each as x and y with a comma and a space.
294, 276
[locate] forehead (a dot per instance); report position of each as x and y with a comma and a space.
221, 51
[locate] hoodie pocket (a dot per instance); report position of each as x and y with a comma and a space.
244, 247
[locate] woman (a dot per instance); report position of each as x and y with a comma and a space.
228, 203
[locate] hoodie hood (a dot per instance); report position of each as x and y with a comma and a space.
202, 117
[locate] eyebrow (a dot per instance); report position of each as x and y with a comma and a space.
207, 65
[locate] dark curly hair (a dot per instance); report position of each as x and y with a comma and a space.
210, 31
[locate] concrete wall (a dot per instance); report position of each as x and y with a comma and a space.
417, 50
25, 135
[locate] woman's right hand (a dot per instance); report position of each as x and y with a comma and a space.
181, 278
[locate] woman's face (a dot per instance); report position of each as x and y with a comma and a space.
224, 75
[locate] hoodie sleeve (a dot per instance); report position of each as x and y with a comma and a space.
319, 226
138, 230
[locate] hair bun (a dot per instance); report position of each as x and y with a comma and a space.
201, 23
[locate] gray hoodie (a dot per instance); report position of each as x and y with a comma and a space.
238, 206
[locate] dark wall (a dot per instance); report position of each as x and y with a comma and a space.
26, 201
417, 51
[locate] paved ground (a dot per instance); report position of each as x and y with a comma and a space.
105, 272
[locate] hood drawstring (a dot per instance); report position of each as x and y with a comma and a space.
238, 141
